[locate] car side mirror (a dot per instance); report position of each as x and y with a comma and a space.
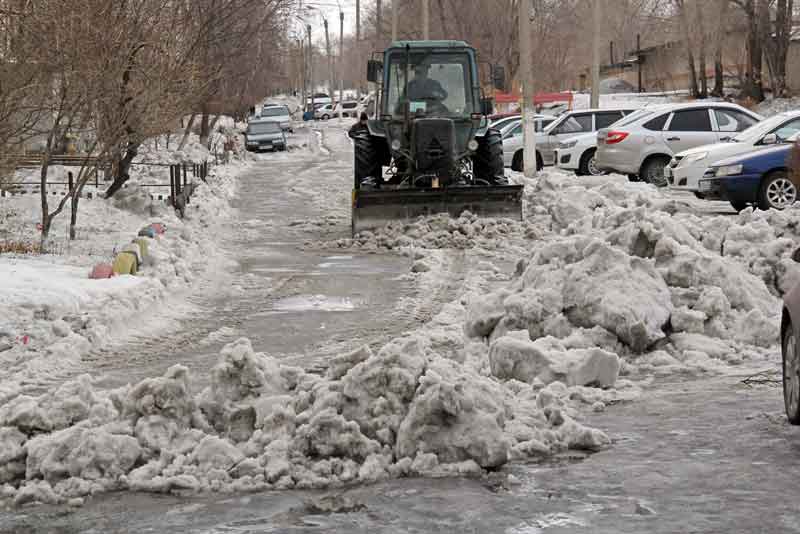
769, 139
499, 77
487, 106
374, 67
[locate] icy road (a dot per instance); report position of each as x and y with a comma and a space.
693, 449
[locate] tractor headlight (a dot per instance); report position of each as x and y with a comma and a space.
472, 145
396, 145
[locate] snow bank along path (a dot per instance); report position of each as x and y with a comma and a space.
51, 314
615, 282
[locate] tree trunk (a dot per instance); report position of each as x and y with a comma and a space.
753, 85
211, 131
702, 65
204, 131
187, 131
688, 42
46, 219
777, 46
123, 169
719, 43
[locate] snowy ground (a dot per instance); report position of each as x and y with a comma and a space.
505, 342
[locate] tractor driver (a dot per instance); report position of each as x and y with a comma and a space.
424, 88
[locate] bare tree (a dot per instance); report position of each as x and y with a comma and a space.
776, 46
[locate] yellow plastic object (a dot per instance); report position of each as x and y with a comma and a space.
143, 250
124, 263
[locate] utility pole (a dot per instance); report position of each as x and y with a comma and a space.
341, 63
310, 69
526, 76
378, 21
426, 22
595, 100
302, 73
330, 61
358, 49
394, 20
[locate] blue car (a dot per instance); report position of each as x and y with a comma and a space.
760, 178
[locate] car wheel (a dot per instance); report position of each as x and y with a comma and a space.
518, 162
539, 162
653, 171
791, 375
588, 165
777, 191
326, 117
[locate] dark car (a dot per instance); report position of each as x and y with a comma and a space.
790, 334
760, 178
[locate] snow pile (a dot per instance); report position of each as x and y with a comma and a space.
623, 269
439, 231
51, 314
773, 106
402, 411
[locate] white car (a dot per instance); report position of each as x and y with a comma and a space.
349, 109
279, 114
564, 127
687, 168
644, 147
324, 112
577, 154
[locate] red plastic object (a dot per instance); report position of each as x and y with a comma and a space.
159, 228
101, 271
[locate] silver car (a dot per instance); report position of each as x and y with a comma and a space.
264, 134
279, 114
563, 127
643, 145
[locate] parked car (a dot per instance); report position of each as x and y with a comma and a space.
279, 114
514, 128
264, 134
686, 168
577, 154
565, 126
324, 111
349, 109
502, 122
790, 351
645, 146
760, 178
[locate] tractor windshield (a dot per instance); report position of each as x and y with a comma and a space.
439, 84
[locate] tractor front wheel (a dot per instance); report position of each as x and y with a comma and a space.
487, 162
368, 156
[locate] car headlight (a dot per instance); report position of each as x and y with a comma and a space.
729, 170
396, 144
472, 145
693, 158
567, 144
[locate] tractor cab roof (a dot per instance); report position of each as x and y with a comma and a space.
427, 45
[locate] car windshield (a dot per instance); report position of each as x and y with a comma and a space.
439, 84
277, 111
759, 129
265, 127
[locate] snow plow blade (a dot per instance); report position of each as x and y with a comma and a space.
373, 208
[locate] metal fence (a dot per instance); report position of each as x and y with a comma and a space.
182, 179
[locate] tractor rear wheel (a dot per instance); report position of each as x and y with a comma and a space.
487, 162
